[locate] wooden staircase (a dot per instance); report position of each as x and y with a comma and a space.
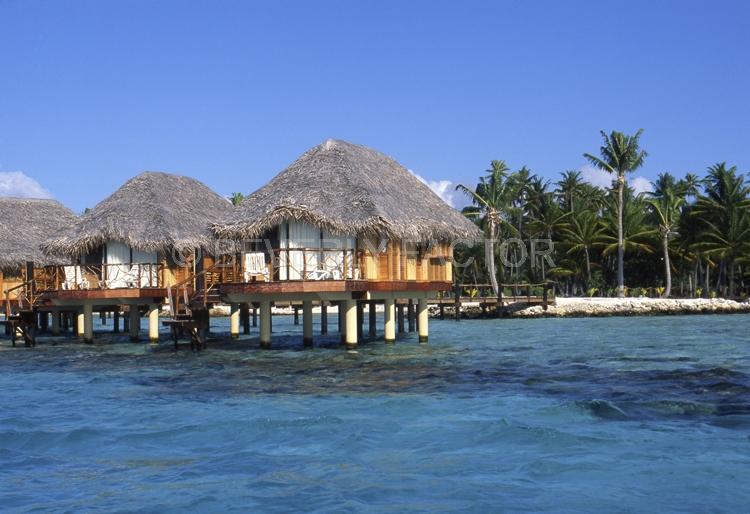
21, 314
189, 302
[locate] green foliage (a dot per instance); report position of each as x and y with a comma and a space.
687, 236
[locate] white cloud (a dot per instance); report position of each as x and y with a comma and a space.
601, 178
596, 177
641, 184
18, 184
443, 188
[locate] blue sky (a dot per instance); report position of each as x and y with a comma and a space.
92, 92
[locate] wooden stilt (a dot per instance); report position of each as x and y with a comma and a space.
245, 318
389, 326
360, 319
323, 318
423, 318
307, 323
255, 316
410, 315
341, 314
296, 314
116, 322
88, 323
234, 321
400, 312
372, 319
56, 315
153, 323
134, 323
351, 324
265, 324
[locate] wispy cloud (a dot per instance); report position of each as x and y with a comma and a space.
18, 184
600, 178
443, 188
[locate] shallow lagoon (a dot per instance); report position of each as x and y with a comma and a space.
615, 414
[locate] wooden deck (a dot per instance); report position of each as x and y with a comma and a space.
331, 286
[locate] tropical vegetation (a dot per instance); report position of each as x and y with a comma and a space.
686, 237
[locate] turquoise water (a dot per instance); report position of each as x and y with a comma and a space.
549, 415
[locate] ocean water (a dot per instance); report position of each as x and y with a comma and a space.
548, 415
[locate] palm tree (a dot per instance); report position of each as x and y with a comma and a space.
620, 154
723, 210
491, 197
569, 187
666, 208
689, 186
636, 234
548, 218
236, 198
585, 232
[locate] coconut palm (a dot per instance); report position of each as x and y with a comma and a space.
723, 210
491, 197
666, 206
570, 187
584, 233
619, 154
236, 198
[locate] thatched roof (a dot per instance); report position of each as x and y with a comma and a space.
349, 189
25, 223
150, 212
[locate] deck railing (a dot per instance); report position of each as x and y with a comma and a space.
81, 277
315, 264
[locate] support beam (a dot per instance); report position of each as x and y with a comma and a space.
323, 318
360, 319
56, 315
153, 323
265, 324
410, 314
43, 321
245, 318
135, 323
372, 319
234, 321
88, 323
341, 313
351, 324
307, 323
116, 322
400, 315
423, 317
296, 314
79, 323
255, 316
390, 321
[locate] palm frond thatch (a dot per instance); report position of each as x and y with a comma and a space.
25, 223
151, 212
349, 189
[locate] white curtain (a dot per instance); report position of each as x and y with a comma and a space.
124, 272
300, 235
296, 234
334, 260
147, 262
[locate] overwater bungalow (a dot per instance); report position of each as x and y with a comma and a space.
343, 224
150, 234
24, 224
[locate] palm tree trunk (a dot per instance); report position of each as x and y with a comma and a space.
667, 268
620, 244
731, 279
588, 266
489, 257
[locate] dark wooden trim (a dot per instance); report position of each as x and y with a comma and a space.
332, 286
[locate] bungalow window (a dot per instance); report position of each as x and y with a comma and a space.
308, 253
